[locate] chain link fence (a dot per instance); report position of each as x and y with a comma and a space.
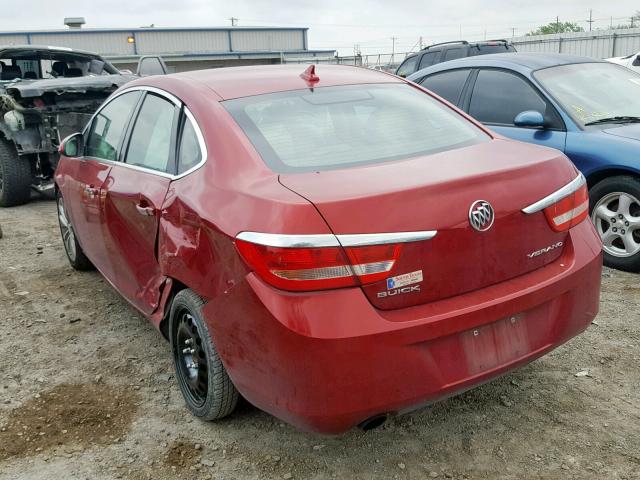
379, 61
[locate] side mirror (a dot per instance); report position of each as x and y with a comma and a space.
530, 119
72, 146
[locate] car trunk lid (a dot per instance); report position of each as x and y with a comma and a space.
435, 193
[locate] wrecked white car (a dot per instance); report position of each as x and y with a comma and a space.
47, 93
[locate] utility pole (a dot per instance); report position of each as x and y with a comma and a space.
421, 44
557, 25
393, 48
591, 20
234, 21
513, 32
633, 19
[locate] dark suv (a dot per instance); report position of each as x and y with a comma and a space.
442, 52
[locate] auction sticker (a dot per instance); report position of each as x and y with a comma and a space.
404, 279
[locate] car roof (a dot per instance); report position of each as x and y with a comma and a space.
515, 60
235, 82
42, 49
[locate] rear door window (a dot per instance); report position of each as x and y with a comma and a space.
499, 96
486, 49
453, 53
343, 126
108, 126
448, 85
428, 59
408, 66
152, 134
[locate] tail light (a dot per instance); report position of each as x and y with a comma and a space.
320, 262
566, 207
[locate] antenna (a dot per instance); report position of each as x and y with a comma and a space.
309, 75
234, 21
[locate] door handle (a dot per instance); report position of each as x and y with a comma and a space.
146, 211
90, 191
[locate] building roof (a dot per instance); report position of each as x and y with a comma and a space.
88, 31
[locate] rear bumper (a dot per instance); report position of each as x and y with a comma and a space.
327, 361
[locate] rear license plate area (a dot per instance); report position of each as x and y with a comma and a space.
496, 344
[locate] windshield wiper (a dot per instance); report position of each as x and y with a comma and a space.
618, 119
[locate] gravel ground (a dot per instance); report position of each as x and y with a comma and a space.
87, 392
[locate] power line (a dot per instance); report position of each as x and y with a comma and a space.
393, 47
424, 25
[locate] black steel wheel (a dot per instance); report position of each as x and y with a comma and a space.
203, 380
192, 358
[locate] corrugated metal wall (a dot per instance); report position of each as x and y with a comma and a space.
150, 42
14, 39
107, 43
274, 40
166, 41
597, 44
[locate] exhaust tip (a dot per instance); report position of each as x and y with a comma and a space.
373, 422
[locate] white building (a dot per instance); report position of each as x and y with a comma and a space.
181, 48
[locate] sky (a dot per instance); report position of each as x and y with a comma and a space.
333, 24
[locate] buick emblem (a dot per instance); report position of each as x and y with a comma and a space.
481, 215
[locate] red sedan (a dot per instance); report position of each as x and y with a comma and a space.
335, 244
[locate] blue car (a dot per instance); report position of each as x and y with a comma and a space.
588, 109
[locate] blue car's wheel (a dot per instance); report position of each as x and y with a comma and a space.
615, 211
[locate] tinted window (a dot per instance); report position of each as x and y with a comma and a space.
150, 144
448, 85
488, 49
453, 53
428, 59
499, 96
408, 67
108, 126
189, 154
335, 127
150, 66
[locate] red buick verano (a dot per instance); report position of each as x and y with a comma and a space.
335, 245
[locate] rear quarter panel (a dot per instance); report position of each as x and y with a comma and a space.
232, 192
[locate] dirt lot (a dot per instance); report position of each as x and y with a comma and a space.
87, 392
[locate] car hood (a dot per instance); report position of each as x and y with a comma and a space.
631, 131
36, 88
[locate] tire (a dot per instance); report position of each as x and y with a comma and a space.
615, 211
75, 254
204, 382
15, 176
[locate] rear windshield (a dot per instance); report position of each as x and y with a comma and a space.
337, 127
485, 49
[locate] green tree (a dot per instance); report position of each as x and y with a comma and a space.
557, 27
